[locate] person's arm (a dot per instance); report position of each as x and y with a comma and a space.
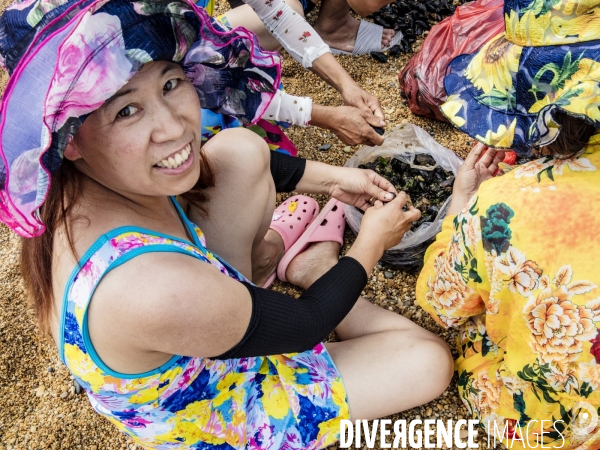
349, 185
184, 306
289, 108
454, 285
286, 171
352, 186
282, 324
291, 30
352, 125
330, 70
305, 45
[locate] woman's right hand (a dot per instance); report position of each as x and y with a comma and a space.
388, 222
382, 227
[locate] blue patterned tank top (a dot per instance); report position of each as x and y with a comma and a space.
291, 401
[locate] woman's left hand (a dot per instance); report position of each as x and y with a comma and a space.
357, 186
354, 95
330, 70
474, 171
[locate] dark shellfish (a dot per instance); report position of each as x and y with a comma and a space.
427, 187
379, 57
412, 18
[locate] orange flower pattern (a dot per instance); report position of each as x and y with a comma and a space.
559, 326
516, 272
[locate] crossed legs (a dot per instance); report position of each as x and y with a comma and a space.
388, 363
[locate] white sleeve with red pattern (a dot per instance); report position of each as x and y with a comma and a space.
291, 30
289, 108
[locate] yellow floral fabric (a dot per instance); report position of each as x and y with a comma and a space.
506, 94
553, 22
493, 67
517, 272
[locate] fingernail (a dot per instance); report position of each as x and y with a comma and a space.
390, 196
382, 123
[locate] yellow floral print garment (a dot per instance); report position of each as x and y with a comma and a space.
555, 22
518, 273
506, 94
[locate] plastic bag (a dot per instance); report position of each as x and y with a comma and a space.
465, 32
403, 143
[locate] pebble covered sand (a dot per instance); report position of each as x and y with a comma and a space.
42, 408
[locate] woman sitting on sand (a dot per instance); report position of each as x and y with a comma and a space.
175, 345
515, 267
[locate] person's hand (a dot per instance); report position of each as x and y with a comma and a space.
388, 222
474, 171
330, 70
357, 186
354, 95
352, 125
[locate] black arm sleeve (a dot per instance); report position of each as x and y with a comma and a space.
286, 171
282, 324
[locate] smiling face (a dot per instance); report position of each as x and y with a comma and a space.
144, 140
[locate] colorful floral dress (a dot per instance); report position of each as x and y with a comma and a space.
291, 401
518, 273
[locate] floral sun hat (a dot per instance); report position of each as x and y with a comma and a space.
65, 58
505, 94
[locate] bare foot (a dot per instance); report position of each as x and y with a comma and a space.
311, 264
266, 256
342, 36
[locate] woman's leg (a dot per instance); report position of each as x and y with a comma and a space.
244, 16
241, 204
338, 28
388, 363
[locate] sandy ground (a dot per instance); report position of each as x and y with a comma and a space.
39, 406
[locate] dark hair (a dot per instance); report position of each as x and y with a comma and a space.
64, 193
574, 135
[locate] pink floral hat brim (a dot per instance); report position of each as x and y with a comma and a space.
66, 58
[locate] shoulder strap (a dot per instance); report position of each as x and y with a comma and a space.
200, 242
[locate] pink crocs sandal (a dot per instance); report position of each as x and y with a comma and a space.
290, 220
328, 226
